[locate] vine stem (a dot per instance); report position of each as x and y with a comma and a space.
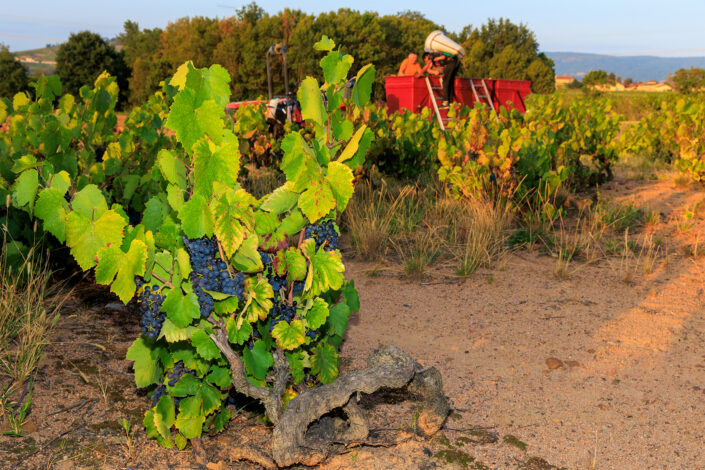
222, 256
163, 281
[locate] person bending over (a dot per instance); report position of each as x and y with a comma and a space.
451, 65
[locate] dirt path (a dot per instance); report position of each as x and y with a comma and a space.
630, 393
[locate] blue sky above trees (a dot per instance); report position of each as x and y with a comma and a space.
647, 27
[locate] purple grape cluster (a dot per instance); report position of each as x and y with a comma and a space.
149, 305
324, 234
177, 372
282, 312
211, 273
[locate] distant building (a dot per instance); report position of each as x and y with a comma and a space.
564, 80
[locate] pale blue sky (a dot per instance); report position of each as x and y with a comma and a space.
665, 28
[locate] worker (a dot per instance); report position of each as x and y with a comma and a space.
430, 64
451, 64
450, 53
409, 66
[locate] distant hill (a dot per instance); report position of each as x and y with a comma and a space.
639, 68
41, 60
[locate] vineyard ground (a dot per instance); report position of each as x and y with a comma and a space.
628, 395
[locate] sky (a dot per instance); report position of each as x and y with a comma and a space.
648, 27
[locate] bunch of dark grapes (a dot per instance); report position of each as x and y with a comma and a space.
324, 234
278, 283
159, 392
149, 304
282, 312
211, 273
177, 372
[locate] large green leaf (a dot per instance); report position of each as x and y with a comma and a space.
181, 309
191, 119
289, 335
51, 208
85, 236
25, 189
363, 85
172, 169
340, 177
215, 163
312, 108
335, 66
232, 217
318, 314
195, 216
324, 363
113, 263
191, 418
258, 360
317, 201
204, 345
147, 367
281, 199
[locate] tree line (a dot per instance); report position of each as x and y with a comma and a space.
496, 49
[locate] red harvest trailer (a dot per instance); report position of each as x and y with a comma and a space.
411, 93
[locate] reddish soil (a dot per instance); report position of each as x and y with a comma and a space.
627, 390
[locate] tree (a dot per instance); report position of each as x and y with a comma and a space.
141, 49
596, 77
628, 81
13, 73
502, 49
86, 55
688, 81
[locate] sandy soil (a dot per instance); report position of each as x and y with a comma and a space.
628, 391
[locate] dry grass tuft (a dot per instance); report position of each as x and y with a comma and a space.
28, 311
479, 234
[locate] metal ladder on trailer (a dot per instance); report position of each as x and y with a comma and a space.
484, 93
480, 92
433, 97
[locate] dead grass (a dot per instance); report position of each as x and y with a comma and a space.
28, 311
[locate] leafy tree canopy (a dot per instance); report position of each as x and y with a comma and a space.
86, 55
13, 73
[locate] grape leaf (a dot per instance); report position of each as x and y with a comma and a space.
317, 201
204, 345
309, 96
191, 120
86, 237
215, 163
335, 67
362, 90
90, 202
147, 368
295, 264
236, 335
296, 360
247, 258
257, 360
173, 333
325, 44
211, 84
281, 199
113, 263
350, 296
219, 376
172, 169
152, 216
25, 189
232, 215
289, 335
326, 268
338, 319
317, 315
196, 218
259, 294
180, 308
175, 197
163, 419
340, 177
191, 418
51, 208
324, 363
